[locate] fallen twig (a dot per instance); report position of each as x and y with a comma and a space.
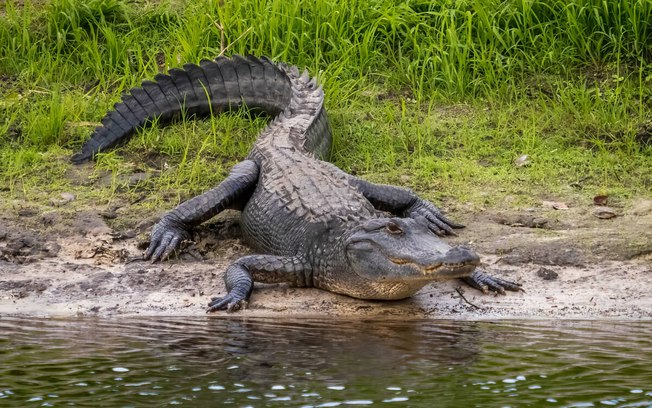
465, 299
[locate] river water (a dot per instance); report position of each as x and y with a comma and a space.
216, 361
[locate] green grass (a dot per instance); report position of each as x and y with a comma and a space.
438, 96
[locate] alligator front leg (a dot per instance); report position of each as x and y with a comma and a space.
174, 227
403, 202
240, 276
487, 283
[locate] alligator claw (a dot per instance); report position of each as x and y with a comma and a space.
487, 283
437, 222
230, 303
166, 238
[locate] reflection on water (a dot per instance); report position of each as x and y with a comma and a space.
217, 361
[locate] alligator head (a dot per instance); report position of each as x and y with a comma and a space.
404, 249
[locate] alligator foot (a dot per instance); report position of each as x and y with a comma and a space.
230, 303
436, 221
167, 236
239, 285
487, 283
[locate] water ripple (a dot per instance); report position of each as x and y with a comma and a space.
306, 362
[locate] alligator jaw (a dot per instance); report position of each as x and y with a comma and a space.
441, 269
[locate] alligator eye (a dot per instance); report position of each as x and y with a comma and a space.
393, 228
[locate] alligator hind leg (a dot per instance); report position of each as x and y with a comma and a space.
487, 283
174, 227
240, 276
403, 202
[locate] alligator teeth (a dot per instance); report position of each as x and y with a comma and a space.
432, 268
426, 270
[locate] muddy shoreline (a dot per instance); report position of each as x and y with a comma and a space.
63, 260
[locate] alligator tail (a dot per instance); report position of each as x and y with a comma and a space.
208, 88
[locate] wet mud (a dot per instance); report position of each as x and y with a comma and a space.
59, 260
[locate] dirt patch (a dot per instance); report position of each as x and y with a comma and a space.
64, 261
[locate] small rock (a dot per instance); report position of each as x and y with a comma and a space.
50, 218
109, 214
138, 178
604, 212
27, 212
522, 220
538, 222
522, 161
547, 274
65, 199
68, 197
51, 249
90, 223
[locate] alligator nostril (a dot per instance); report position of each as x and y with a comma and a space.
462, 254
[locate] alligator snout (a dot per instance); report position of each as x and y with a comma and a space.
461, 255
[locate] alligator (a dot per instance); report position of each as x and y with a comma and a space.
312, 224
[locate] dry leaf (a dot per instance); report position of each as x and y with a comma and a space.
557, 205
604, 212
600, 200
